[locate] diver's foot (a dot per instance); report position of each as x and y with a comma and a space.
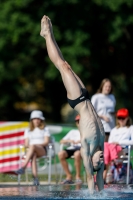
46, 26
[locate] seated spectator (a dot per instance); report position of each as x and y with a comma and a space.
72, 137
120, 137
36, 140
122, 134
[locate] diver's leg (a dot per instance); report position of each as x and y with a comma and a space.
54, 52
72, 83
99, 178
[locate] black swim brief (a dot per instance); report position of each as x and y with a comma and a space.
83, 97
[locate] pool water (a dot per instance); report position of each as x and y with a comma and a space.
118, 192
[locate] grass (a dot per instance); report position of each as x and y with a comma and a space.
5, 178
14, 178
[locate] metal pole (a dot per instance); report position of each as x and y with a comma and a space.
50, 159
128, 164
20, 163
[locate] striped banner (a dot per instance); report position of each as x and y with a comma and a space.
11, 137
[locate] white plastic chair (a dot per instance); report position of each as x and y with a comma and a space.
126, 159
47, 161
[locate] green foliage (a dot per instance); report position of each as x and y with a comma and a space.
113, 4
95, 37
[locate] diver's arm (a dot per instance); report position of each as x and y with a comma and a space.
99, 178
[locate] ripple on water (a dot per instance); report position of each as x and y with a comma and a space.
112, 192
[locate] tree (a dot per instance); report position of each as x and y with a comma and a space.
94, 36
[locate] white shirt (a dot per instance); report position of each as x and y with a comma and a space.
73, 135
105, 105
37, 135
122, 135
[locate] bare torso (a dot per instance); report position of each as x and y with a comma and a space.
91, 127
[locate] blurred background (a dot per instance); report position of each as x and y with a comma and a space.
96, 38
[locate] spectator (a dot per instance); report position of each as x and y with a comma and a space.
36, 140
72, 137
120, 137
123, 132
104, 103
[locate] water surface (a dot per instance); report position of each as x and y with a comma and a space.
114, 192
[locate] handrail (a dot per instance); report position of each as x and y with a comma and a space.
128, 166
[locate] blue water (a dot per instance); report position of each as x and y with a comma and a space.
112, 192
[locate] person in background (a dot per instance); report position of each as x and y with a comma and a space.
104, 103
121, 135
73, 138
37, 137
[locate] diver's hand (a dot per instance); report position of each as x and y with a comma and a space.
98, 158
